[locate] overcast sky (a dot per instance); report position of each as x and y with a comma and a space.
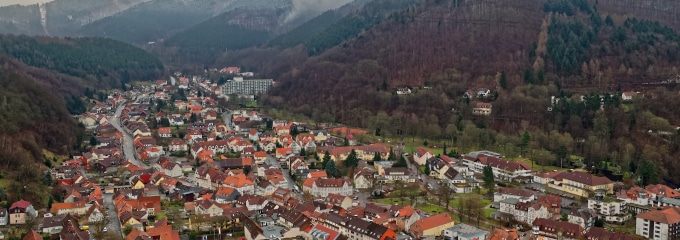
22, 2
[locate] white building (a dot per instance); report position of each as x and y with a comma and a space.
659, 224
321, 187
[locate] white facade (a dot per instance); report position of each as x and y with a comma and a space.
658, 231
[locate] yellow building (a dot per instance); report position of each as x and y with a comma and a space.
581, 183
431, 226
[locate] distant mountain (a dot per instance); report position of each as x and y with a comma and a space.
60, 17
157, 20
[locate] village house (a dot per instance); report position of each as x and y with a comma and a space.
464, 232
321, 187
363, 179
553, 230
168, 167
520, 194
581, 184
4, 217
164, 132
177, 145
421, 156
659, 223
482, 109
502, 169
612, 209
20, 211
432, 225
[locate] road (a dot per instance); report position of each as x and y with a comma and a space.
226, 116
114, 223
128, 148
291, 184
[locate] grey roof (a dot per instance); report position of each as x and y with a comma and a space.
511, 201
467, 231
669, 201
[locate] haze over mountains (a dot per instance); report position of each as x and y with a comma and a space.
142, 21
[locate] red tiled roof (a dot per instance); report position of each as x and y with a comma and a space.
597, 233
432, 221
662, 190
22, 204
585, 178
515, 192
569, 230
667, 215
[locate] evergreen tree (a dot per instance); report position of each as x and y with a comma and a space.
390, 157
331, 169
47, 179
401, 162
376, 157
93, 141
489, 181
352, 160
648, 173
326, 159
503, 81
50, 202
526, 138
303, 152
444, 149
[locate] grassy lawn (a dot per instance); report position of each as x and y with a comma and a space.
410, 148
251, 104
536, 166
431, 208
488, 211
389, 201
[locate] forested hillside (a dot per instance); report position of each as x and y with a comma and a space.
525, 52
32, 118
102, 63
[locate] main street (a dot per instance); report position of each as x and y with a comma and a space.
128, 148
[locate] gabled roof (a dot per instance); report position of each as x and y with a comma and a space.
515, 192
32, 235
598, 233
662, 190
569, 230
21, 204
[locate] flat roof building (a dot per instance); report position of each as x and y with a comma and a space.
240, 86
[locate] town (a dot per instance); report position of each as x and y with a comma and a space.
168, 161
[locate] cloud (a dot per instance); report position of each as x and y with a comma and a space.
313, 7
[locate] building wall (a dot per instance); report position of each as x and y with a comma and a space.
436, 231
17, 218
648, 229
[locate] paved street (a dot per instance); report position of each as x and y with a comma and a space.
226, 116
114, 225
128, 149
291, 184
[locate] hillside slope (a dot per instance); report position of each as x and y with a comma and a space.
524, 52
32, 118
101, 63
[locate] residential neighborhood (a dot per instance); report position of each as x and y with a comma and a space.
168, 162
